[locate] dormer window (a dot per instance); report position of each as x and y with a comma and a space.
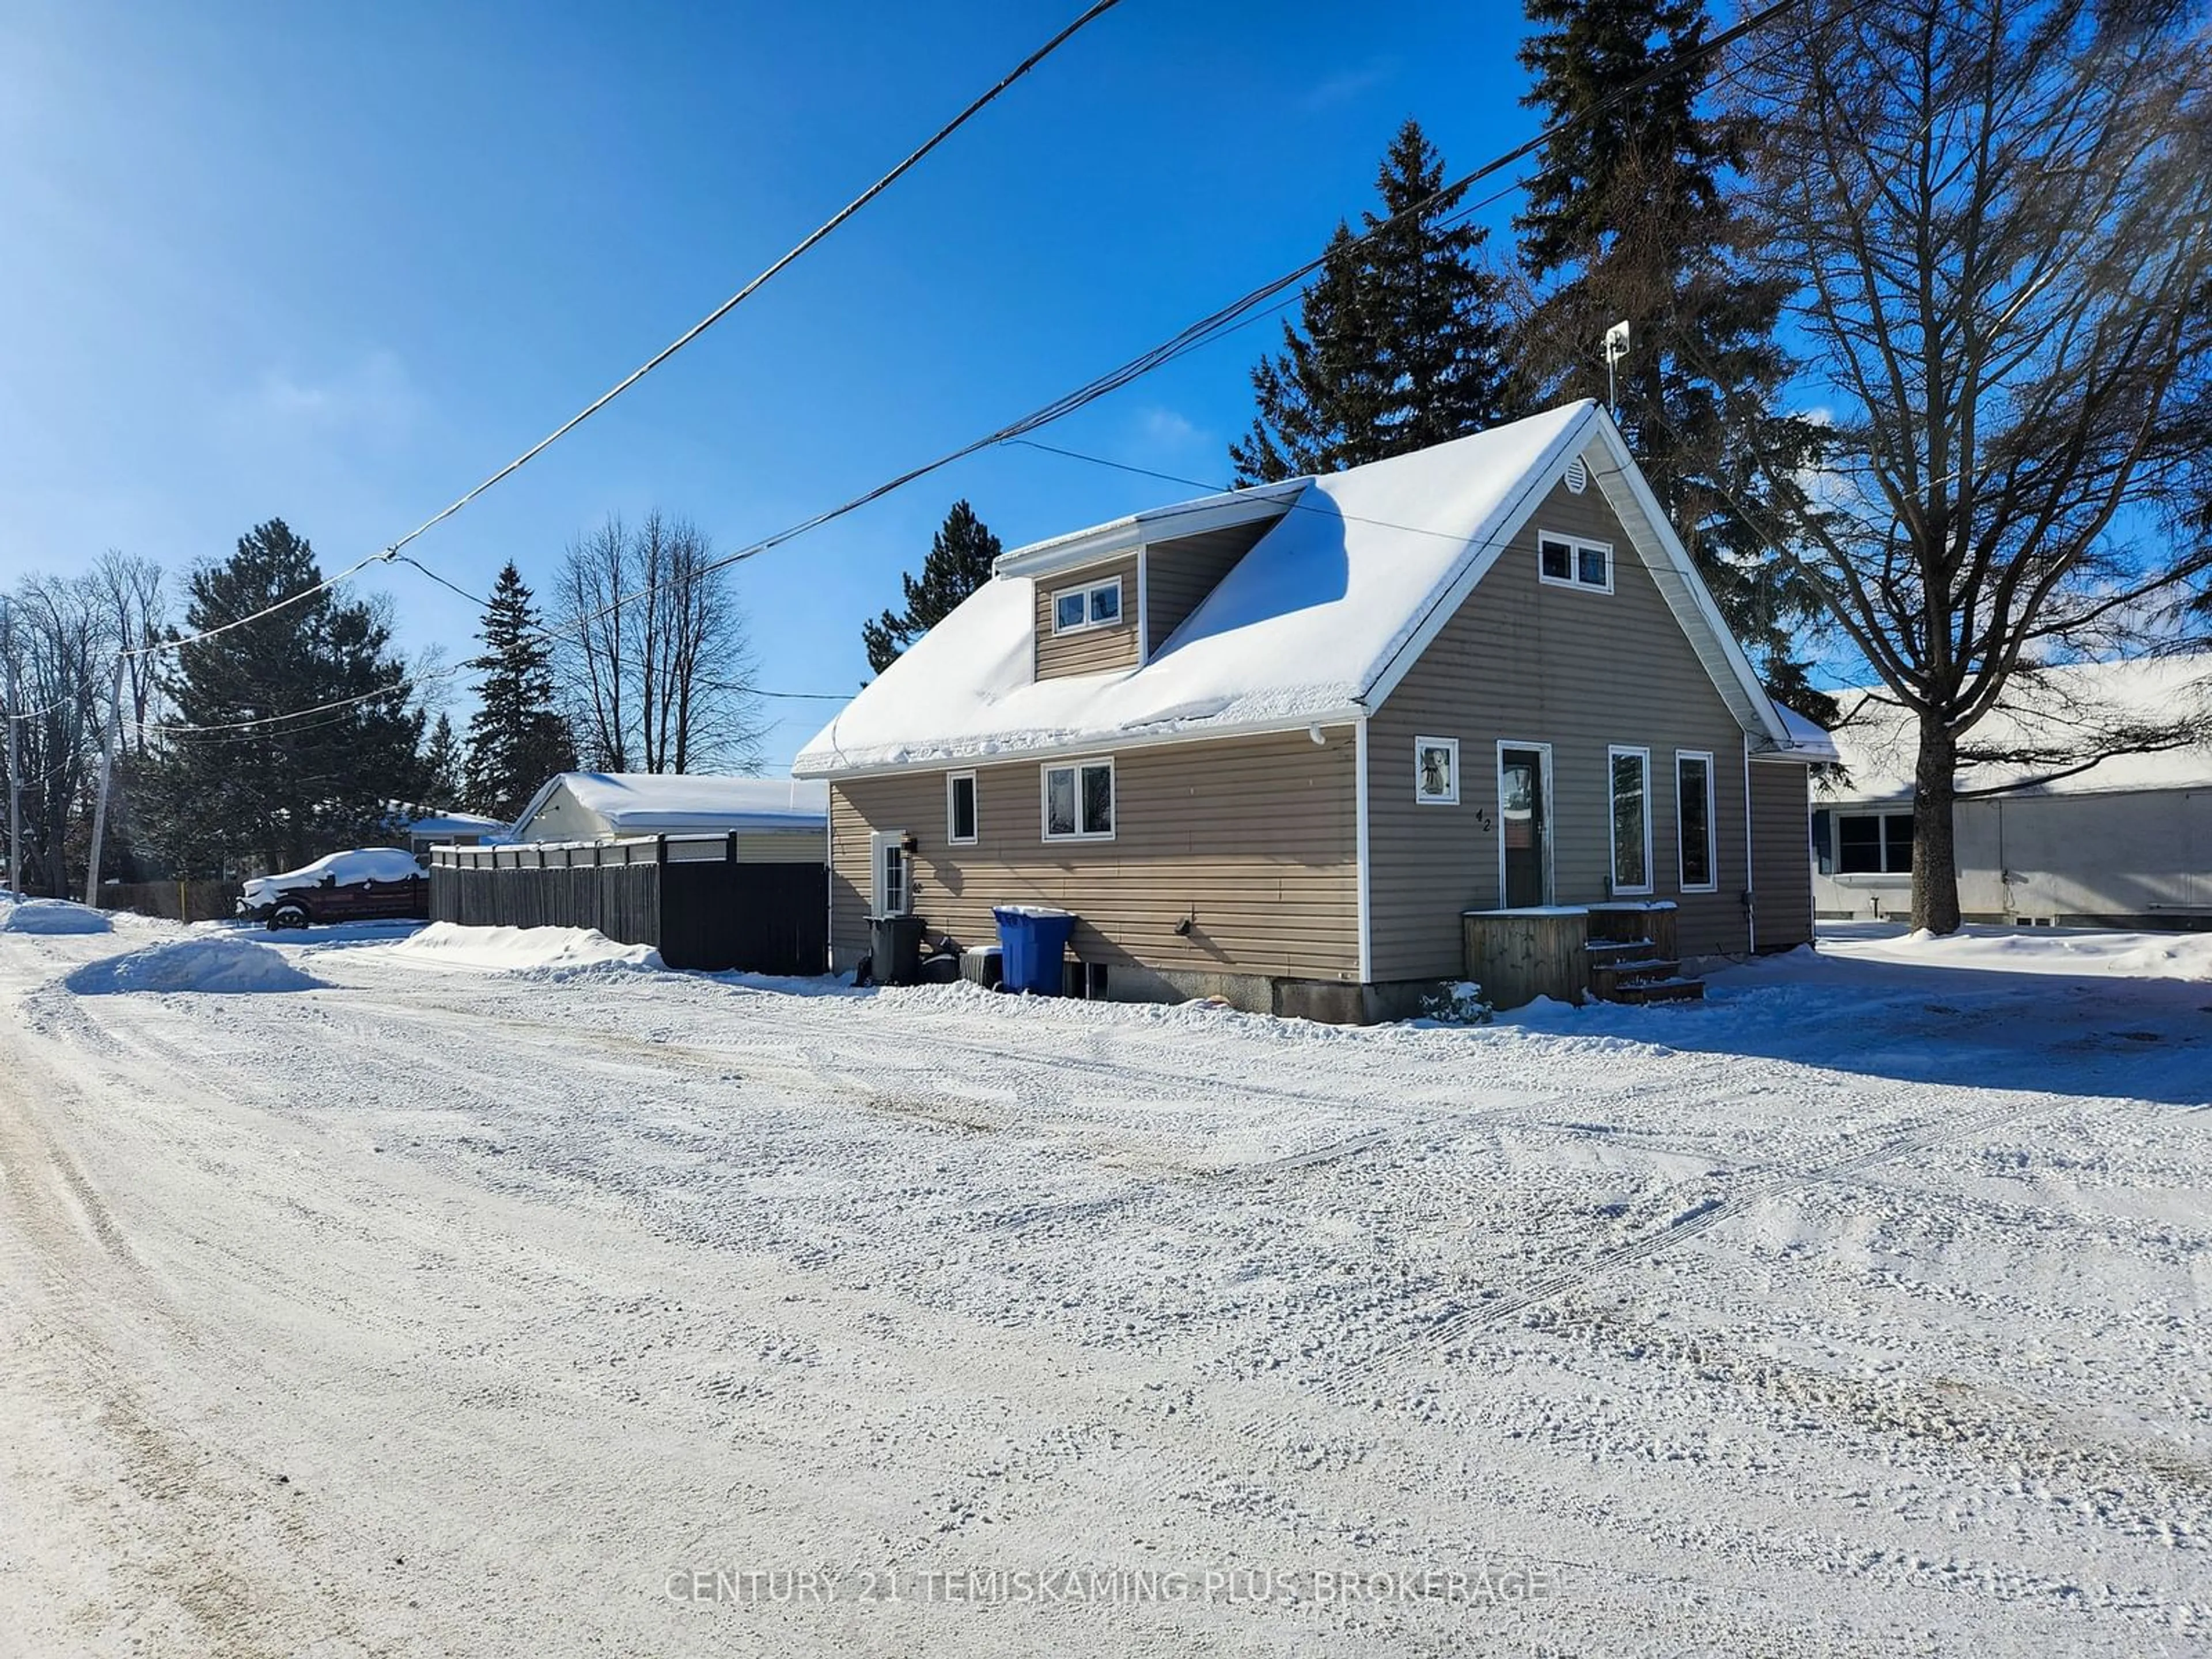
1098, 605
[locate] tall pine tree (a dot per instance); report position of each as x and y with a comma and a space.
312, 731
959, 562
1628, 219
1400, 340
516, 738
442, 767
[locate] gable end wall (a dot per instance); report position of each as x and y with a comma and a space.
1580, 670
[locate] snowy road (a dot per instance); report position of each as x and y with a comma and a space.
442, 1312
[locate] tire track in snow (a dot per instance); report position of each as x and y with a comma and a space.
1461, 1322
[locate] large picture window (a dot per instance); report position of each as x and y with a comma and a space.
1098, 605
1631, 819
1079, 801
1874, 843
1693, 814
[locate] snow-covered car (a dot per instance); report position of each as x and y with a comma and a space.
369, 884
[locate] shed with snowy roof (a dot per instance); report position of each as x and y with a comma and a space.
776, 820
1272, 745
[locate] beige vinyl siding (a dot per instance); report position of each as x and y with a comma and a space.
1781, 853
1090, 650
1179, 574
1257, 836
1580, 670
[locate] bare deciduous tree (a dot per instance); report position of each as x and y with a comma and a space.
1993, 214
652, 652
56, 635
132, 594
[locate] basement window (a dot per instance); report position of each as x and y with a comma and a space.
1569, 562
1079, 801
1098, 605
1874, 843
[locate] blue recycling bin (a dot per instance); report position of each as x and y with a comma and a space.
1033, 940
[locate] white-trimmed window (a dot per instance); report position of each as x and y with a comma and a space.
1098, 605
891, 885
1079, 801
1435, 771
960, 808
1570, 561
1873, 844
1693, 820
1630, 778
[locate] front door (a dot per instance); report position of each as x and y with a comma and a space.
1524, 828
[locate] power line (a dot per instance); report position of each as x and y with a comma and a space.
805, 244
1227, 319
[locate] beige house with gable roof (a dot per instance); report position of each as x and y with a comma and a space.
1271, 744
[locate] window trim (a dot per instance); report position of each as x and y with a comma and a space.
1576, 546
952, 835
1615, 752
1713, 827
1450, 798
1078, 767
1090, 623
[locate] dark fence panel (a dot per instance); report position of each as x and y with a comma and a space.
762, 918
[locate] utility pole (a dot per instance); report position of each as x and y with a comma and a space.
15, 765
110, 733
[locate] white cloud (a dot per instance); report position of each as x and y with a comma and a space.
1348, 85
372, 398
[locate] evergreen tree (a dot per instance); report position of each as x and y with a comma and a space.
1627, 220
1398, 342
516, 738
442, 767
270, 781
959, 562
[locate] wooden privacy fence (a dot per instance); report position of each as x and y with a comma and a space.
177, 900
689, 897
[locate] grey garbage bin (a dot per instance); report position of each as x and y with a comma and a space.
895, 942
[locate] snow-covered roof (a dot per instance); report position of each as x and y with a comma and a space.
2054, 709
1809, 740
646, 803
1316, 623
455, 823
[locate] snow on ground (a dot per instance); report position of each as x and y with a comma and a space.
37, 916
2030, 951
1860, 1309
510, 949
208, 965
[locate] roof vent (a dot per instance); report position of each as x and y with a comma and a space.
1577, 476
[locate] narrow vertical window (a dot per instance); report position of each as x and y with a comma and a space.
1693, 814
960, 808
1632, 820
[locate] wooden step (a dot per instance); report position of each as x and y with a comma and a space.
1626, 970
1660, 990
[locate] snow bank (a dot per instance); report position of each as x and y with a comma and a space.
2038, 951
447, 945
52, 916
224, 965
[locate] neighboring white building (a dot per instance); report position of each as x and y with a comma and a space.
452, 829
2126, 842
776, 820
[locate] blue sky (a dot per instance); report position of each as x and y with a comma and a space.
334, 266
